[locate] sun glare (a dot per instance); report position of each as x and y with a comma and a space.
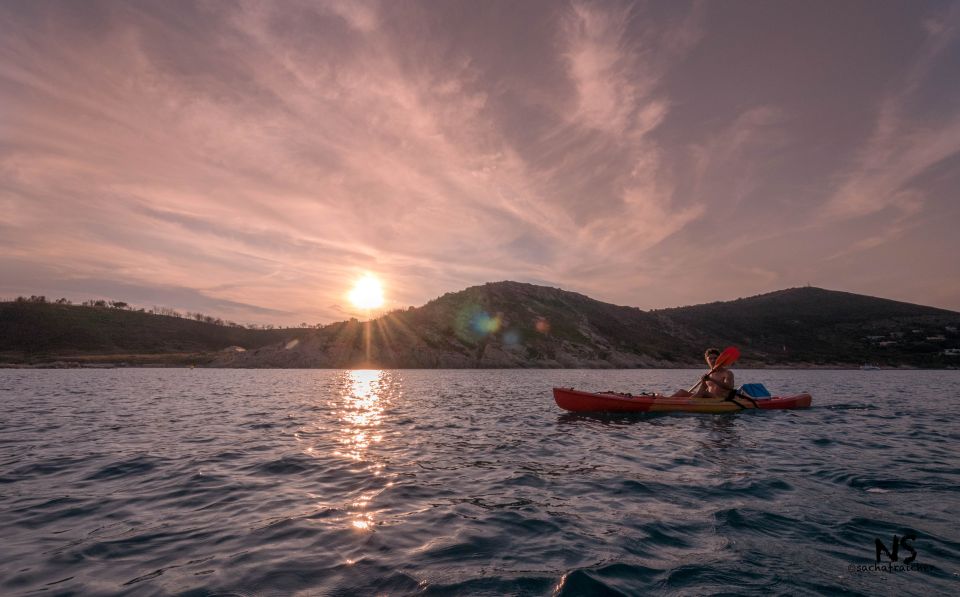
367, 293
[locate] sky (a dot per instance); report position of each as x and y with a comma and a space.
252, 160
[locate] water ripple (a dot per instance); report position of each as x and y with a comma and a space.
212, 482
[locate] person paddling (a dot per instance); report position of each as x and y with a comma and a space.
718, 383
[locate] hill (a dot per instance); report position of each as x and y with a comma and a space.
505, 324
509, 324
38, 332
817, 326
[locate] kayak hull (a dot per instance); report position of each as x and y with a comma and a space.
578, 401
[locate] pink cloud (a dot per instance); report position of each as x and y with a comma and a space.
268, 154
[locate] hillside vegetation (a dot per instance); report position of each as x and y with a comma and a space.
505, 324
41, 331
509, 324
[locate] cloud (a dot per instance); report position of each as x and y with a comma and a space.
265, 155
607, 94
901, 147
56, 282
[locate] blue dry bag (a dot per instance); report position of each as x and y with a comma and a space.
755, 390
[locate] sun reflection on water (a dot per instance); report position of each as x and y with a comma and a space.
358, 409
361, 414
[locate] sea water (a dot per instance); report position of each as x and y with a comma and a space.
161, 481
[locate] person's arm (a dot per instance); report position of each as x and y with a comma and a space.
729, 380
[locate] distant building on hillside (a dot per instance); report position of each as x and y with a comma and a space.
952, 352
937, 338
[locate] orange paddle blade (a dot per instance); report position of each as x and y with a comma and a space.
728, 357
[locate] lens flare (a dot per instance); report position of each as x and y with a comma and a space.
483, 324
511, 338
542, 325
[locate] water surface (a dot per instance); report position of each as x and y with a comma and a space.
160, 481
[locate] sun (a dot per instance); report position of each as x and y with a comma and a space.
367, 293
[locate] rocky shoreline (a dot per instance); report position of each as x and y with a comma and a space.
210, 361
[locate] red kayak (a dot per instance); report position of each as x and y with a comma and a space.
577, 401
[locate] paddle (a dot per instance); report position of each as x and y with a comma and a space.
726, 358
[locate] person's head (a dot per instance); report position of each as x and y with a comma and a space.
710, 355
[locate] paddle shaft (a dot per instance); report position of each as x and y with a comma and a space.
696, 385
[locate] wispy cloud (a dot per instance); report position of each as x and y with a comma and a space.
902, 146
267, 154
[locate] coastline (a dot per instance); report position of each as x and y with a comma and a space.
206, 361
